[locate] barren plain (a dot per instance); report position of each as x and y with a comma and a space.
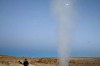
74, 61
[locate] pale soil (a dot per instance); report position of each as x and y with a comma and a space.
38, 64
14, 65
42, 64
79, 61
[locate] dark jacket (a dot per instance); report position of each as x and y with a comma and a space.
25, 63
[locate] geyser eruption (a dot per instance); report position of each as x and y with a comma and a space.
62, 9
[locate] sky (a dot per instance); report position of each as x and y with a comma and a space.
28, 28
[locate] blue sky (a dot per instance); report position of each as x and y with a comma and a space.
28, 28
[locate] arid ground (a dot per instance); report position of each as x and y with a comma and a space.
75, 61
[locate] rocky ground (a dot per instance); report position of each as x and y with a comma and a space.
79, 61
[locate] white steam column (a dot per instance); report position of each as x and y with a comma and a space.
62, 9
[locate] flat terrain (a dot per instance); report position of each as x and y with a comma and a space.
76, 61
